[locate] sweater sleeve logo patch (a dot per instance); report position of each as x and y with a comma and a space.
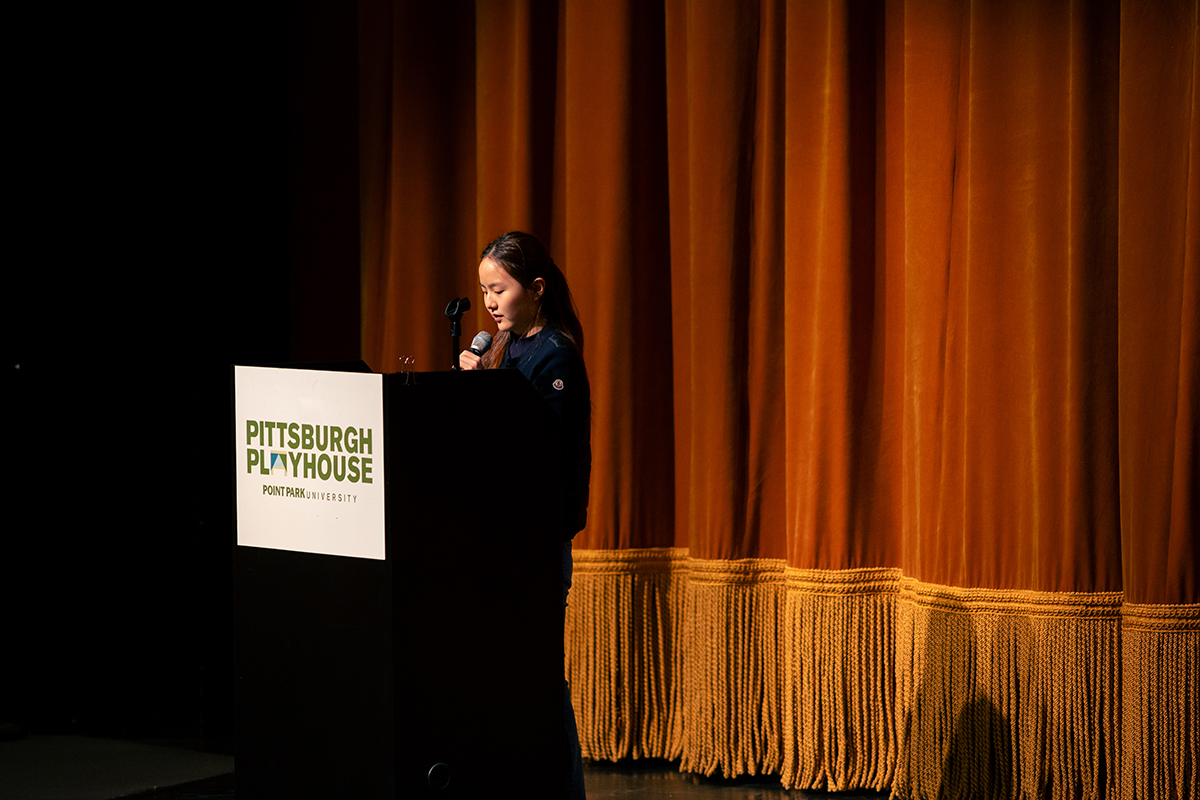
558, 384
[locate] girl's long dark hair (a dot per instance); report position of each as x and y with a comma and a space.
526, 259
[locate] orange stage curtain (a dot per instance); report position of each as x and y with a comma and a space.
891, 316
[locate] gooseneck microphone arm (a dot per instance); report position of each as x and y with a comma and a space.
454, 311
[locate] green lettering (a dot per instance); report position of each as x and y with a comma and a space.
252, 430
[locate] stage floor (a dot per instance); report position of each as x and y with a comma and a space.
85, 768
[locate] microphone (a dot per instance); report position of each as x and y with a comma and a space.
481, 343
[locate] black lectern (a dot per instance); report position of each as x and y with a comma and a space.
437, 670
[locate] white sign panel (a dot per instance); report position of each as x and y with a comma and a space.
309, 463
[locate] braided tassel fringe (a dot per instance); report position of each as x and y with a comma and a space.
732, 668
1160, 648
852, 679
839, 694
1006, 693
624, 652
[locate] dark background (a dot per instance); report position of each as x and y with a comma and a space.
187, 192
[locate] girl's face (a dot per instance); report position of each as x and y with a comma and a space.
513, 306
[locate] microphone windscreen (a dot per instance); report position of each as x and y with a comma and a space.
481, 343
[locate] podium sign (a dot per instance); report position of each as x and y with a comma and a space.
309, 461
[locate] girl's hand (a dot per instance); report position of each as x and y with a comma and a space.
468, 360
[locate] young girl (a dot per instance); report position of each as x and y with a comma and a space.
540, 335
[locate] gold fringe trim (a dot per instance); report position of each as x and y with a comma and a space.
732, 667
1160, 656
1006, 693
839, 697
1160, 619
857, 679
952, 599
623, 647
844, 582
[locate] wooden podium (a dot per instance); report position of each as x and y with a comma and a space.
437, 670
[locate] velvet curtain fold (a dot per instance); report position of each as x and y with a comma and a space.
891, 318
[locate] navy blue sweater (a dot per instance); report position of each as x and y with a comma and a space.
556, 370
